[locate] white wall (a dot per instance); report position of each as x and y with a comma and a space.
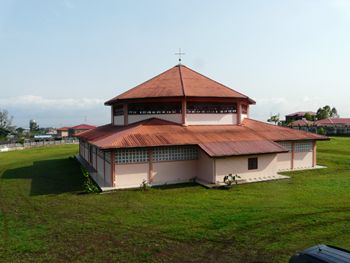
174, 172
130, 175
302, 160
267, 166
119, 120
169, 117
205, 168
243, 116
210, 118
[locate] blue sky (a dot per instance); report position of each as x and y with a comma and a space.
61, 59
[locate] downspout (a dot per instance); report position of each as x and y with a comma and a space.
293, 153
214, 170
314, 157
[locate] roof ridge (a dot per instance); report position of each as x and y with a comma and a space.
215, 81
182, 81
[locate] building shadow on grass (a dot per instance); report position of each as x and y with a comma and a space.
50, 176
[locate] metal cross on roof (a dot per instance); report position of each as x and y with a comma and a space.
180, 54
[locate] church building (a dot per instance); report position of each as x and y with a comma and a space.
181, 126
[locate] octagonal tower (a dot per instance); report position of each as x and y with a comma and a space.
180, 95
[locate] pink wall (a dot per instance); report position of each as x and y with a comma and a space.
130, 175
173, 172
205, 168
302, 160
267, 166
284, 161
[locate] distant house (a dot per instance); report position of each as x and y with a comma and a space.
65, 132
62, 132
298, 115
331, 126
72, 131
301, 124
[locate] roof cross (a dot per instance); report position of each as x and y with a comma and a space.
179, 54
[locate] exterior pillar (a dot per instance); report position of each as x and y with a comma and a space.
96, 159
293, 153
112, 114
214, 171
239, 112
184, 111
150, 166
104, 168
248, 111
314, 156
125, 109
113, 167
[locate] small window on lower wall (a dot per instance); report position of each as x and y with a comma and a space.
253, 163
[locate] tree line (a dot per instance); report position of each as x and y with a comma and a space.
322, 113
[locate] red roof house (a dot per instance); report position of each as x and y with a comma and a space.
182, 126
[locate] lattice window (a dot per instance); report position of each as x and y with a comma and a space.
100, 153
303, 147
176, 153
108, 157
154, 108
135, 155
119, 110
286, 145
207, 107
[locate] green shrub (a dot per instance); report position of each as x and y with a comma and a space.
89, 185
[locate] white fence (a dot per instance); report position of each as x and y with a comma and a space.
19, 146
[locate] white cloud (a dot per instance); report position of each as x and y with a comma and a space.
39, 102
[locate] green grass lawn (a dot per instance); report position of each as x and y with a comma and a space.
45, 218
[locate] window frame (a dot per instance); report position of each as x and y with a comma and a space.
253, 165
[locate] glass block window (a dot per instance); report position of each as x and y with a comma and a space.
286, 145
176, 153
135, 155
303, 147
108, 157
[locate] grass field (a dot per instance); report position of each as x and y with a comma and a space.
45, 218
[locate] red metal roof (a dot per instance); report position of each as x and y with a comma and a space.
323, 122
301, 113
83, 127
301, 123
63, 129
333, 121
179, 81
249, 138
215, 149
278, 133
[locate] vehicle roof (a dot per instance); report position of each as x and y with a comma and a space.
329, 253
